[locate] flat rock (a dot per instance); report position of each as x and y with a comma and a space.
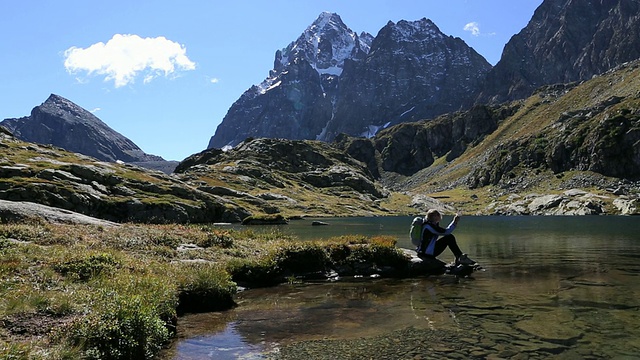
21, 210
552, 327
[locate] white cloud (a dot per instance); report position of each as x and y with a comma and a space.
124, 57
473, 27
214, 80
95, 110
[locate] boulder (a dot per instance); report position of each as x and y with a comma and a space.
21, 211
573, 202
420, 266
627, 206
544, 203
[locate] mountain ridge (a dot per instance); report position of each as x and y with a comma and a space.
565, 41
413, 71
302, 100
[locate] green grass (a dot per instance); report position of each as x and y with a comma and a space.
115, 292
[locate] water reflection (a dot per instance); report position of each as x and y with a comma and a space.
226, 344
553, 286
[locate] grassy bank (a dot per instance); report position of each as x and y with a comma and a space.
70, 292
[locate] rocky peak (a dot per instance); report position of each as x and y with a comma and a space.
413, 31
61, 107
413, 71
325, 44
64, 124
330, 80
296, 100
365, 41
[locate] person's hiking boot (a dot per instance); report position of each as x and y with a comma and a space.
465, 260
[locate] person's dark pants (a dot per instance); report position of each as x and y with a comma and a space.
447, 241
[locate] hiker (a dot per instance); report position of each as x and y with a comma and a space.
435, 239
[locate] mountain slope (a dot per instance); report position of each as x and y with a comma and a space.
54, 177
524, 157
291, 177
62, 123
593, 126
577, 135
565, 41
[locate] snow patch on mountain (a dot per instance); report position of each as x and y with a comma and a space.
325, 44
372, 130
416, 31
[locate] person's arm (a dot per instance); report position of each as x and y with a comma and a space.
437, 230
454, 222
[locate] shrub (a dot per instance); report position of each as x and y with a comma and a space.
348, 239
377, 255
4, 244
299, 258
88, 267
205, 288
264, 219
24, 232
15, 351
257, 272
217, 238
288, 259
384, 241
123, 327
168, 240
338, 253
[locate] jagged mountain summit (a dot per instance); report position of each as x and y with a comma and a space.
413, 71
565, 41
325, 44
331, 80
64, 124
296, 100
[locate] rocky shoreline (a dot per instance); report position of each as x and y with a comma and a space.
570, 202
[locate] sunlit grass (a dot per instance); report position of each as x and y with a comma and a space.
114, 292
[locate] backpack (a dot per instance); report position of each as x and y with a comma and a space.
416, 230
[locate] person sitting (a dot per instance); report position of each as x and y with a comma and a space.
435, 239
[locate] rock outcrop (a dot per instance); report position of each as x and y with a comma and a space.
116, 192
12, 211
565, 41
410, 147
571, 202
293, 176
628, 205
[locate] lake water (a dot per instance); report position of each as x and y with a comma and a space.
563, 287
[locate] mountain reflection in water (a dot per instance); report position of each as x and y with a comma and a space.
565, 286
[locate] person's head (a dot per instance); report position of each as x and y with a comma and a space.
434, 216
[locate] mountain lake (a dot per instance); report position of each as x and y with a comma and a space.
553, 287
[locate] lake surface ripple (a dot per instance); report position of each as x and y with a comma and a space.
564, 287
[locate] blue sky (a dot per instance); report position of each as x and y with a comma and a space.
164, 73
